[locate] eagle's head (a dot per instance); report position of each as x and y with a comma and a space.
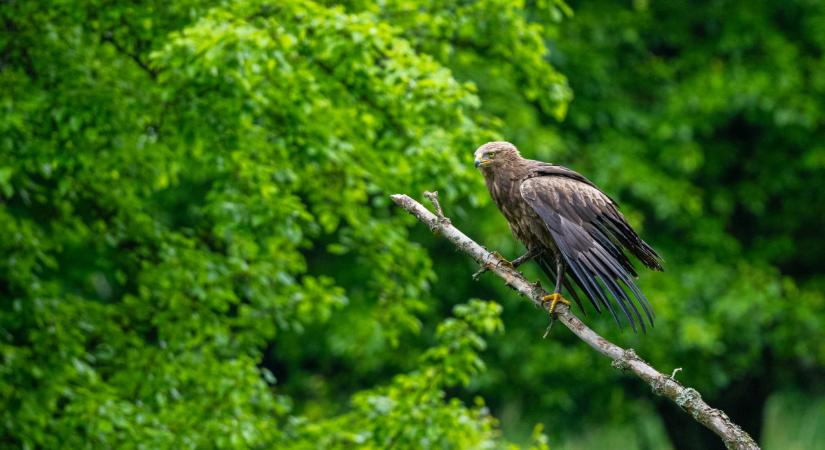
491, 154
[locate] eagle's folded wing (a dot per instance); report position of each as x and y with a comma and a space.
590, 232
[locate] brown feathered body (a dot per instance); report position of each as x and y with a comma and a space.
573, 225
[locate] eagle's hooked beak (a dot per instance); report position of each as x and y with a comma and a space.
481, 162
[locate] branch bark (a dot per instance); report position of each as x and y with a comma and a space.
626, 360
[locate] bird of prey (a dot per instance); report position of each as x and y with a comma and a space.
571, 229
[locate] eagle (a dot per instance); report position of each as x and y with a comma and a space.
572, 229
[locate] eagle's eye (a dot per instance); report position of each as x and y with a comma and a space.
489, 155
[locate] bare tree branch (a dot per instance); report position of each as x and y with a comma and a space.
625, 360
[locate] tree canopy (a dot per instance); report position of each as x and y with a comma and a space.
199, 249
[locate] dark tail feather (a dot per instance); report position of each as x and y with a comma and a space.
626, 279
568, 284
630, 240
594, 291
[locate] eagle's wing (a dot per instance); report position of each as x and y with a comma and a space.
589, 232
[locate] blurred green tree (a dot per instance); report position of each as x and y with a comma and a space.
198, 245
705, 121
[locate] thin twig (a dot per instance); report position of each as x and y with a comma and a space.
625, 360
433, 197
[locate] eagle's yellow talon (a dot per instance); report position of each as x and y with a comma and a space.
553, 299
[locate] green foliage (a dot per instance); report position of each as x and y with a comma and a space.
703, 121
722, 139
194, 199
381, 417
199, 249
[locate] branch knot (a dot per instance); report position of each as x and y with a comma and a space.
623, 362
686, 396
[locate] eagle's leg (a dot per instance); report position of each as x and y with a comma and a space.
513, 264
556, 297
532, 253
502, 261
